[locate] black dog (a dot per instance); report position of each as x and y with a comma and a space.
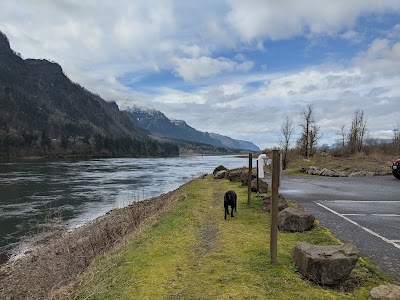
230, 199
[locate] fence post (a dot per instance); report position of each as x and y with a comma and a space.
249, 177
276, 166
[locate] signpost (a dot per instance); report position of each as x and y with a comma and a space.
276, 168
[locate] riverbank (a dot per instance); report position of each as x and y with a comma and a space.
36, 194
188, 251
57, 261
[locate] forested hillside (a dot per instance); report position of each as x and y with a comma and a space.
43, 113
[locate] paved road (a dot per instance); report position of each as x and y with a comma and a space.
361, 210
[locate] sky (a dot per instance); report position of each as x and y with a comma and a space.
233, 67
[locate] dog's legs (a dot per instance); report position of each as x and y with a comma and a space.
232, 211
226, 211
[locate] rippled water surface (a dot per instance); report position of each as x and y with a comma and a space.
35, 194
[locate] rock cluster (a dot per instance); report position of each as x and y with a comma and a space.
235, 175
242, 175
334, 173
327, 265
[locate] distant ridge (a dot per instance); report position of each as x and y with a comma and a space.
157, 123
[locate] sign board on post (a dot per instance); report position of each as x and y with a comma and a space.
261, 162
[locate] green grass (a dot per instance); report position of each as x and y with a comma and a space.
193, 253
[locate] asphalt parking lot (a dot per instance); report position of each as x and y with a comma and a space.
379, 218
361, 210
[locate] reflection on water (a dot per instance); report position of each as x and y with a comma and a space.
35, 192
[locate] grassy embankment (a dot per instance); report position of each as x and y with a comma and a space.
372, 163
193, 253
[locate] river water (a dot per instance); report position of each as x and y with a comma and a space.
35, 195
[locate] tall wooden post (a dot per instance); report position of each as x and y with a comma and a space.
276, 167
249, 178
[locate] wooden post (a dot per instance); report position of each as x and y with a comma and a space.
249, 178
276, 166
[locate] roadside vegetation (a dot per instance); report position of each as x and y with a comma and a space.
191, 252
373, 163
354, 149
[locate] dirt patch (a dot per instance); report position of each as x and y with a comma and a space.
58, 261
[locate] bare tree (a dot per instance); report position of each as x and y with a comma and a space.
287, 129
342, 135
313, 138
357, 132
341, 140
310, 132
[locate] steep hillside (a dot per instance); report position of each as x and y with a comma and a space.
232, 143
157, 123
43, 113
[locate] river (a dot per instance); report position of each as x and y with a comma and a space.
36, 195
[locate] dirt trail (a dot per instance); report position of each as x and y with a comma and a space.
209, 231
208, 234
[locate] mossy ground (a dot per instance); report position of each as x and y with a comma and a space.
193, 253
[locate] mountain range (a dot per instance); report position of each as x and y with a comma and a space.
44, 113
158, 124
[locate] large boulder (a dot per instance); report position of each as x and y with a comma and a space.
295, 220
327, 265
245, 177
262, 186
235, 175
385, 292
282, 203
219, 168
220, 174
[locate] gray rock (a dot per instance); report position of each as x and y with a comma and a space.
282, 203
328, 265
295, 220
385, 292
312, 170
234, 175
220, 174
262, 186
245, 176
219, 168
342, 174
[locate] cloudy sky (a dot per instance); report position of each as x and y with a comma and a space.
233, 67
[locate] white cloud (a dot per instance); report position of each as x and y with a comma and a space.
284, 19
99, 42
191, 69
352, 36
383, 56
